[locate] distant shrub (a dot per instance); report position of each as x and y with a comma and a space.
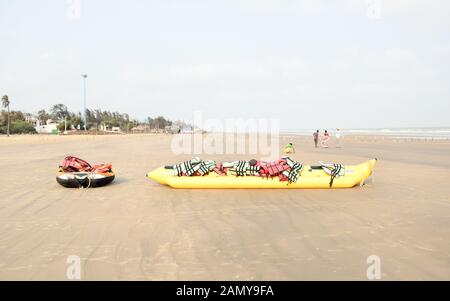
21, 127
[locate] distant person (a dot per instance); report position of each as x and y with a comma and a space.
316, 138
325, 139
338, 137
289, 149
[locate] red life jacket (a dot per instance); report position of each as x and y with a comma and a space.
273, 168
74, 164
102, 168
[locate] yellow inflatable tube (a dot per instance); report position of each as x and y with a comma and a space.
310, 178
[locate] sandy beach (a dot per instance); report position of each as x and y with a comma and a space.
136, 229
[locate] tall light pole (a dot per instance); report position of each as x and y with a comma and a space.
84, 106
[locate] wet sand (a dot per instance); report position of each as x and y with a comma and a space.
135, 229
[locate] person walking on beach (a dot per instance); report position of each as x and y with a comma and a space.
325, 139
316, 138
338, 137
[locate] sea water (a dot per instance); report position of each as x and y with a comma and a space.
438, 133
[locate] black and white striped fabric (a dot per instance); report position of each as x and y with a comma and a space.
187, 167
242, 168
294, 172
206, 166
253, 170
334, 170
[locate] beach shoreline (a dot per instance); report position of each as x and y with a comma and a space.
136, 229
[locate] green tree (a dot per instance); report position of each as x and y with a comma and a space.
43, 116
160, 122
5, 104
150, 122
22, 127
59, 111
16, 116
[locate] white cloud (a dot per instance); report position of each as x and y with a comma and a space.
311, 55
216, 71
305, 7
401, 55
48, 55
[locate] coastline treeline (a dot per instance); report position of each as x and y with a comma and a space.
96, 120
18, 123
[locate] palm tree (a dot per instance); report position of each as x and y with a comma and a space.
5, 104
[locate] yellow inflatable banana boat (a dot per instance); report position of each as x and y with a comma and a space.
310, 177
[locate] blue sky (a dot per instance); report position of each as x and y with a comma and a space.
323, 64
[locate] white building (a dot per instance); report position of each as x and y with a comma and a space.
109, 129
49, 128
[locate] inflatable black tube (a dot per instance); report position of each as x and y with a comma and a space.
83, 179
